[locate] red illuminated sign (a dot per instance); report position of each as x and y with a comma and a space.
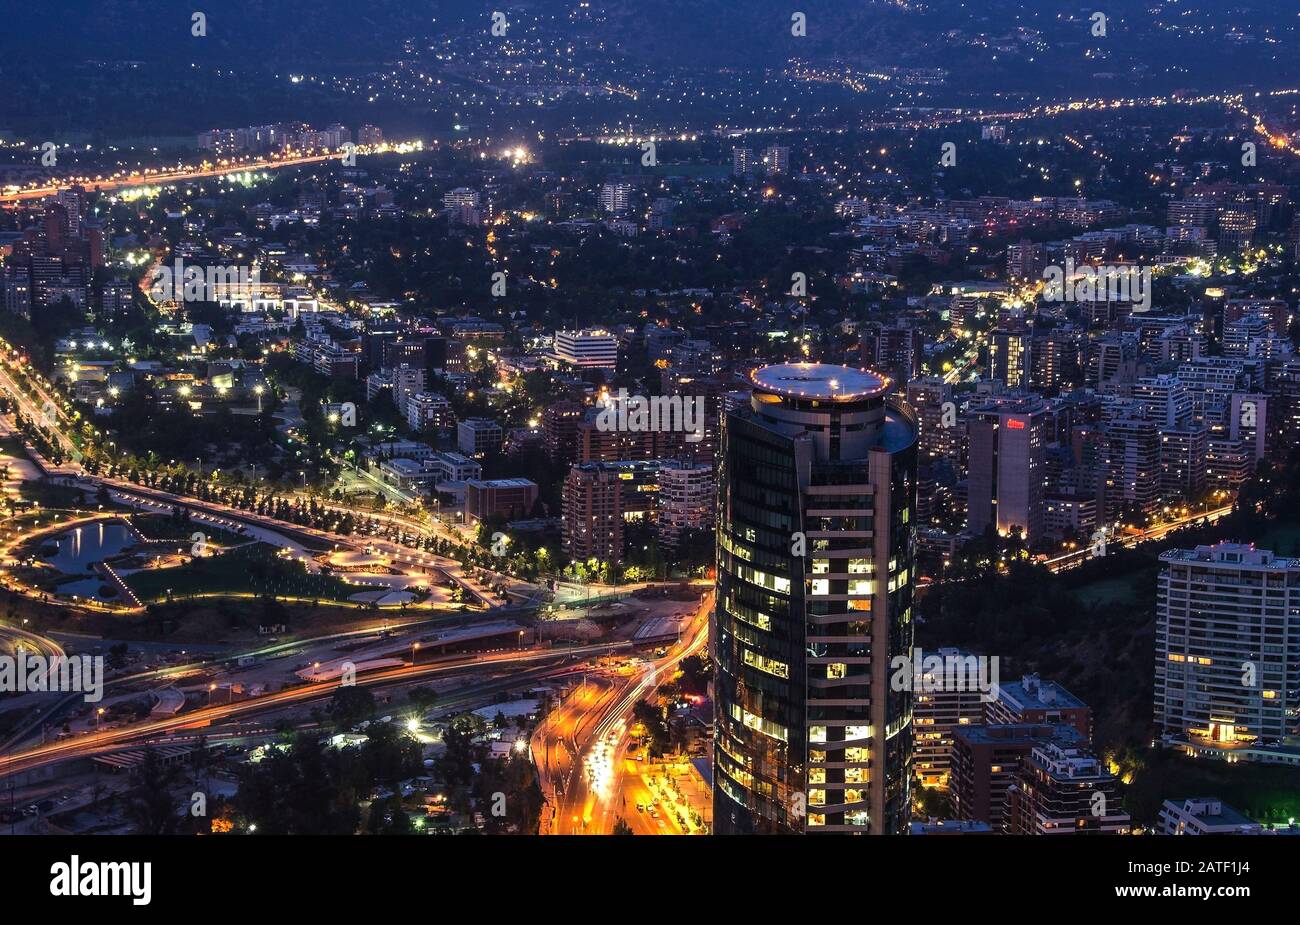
1015, 425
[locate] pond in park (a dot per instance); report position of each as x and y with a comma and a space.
81, 547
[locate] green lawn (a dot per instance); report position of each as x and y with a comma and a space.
1110, 590
1283, 539
1264, 793
247, 570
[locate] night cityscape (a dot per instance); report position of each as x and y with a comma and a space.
633, 418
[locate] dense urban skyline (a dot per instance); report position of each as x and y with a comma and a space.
597, 418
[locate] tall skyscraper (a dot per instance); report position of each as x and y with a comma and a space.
1227, 651
816, 539
1008, 454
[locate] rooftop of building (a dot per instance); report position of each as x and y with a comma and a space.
1231, 554
1033, 693
823, 381
1210, 808
952, 827
1024, 733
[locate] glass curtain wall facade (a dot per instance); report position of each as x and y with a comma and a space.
816, 539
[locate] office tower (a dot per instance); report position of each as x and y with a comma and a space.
936, 713
776, 160
1065, 791
509, 498
591, 348
1010, 356
1033, 700
686, 500
742, 161
816, 542
1227, 651
400, 351
1007, 468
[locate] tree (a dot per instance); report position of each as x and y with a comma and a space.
388, 818
349, 706
151, 807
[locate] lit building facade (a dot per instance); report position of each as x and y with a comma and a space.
816, 541
1227, 681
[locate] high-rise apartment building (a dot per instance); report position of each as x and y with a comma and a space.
616, 196
937, 710
685, 501
742, 161
816, 541
931, 398
1065, 791
1010, 356
776, 160
1228, 652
